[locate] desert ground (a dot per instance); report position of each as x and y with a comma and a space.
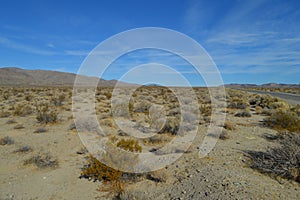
42, 156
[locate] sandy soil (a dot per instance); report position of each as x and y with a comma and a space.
223, 174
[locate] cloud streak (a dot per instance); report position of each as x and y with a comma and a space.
24, 48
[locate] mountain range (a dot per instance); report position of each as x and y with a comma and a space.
12, 76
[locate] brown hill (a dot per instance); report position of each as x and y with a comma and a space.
20, 77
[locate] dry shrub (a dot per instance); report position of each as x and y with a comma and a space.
42, 160
4, 114
23, 149
158, 139
244, 113
229, 126
19, 126
40, 130
238, 103
22, 110
96, 170
224, 135
283, 120
6, 141
45, 114
158, 176
171, 126
206, 110
11, 121
129, 145
113, 179
281, 161
258, 110
132, 194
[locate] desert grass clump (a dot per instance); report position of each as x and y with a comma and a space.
280, 120
40, 130
283, 161
45, 114
244, 113
24, 149
19, 126
6, 141
42, 160
11, 121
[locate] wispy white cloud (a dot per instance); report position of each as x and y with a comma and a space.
76, 52
252, 37
23, 47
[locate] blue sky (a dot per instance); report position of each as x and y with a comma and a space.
251, 41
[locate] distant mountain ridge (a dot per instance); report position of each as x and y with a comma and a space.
12, 76
266, 85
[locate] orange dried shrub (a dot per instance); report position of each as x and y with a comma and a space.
98, 171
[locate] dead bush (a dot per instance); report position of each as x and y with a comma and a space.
281, 161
